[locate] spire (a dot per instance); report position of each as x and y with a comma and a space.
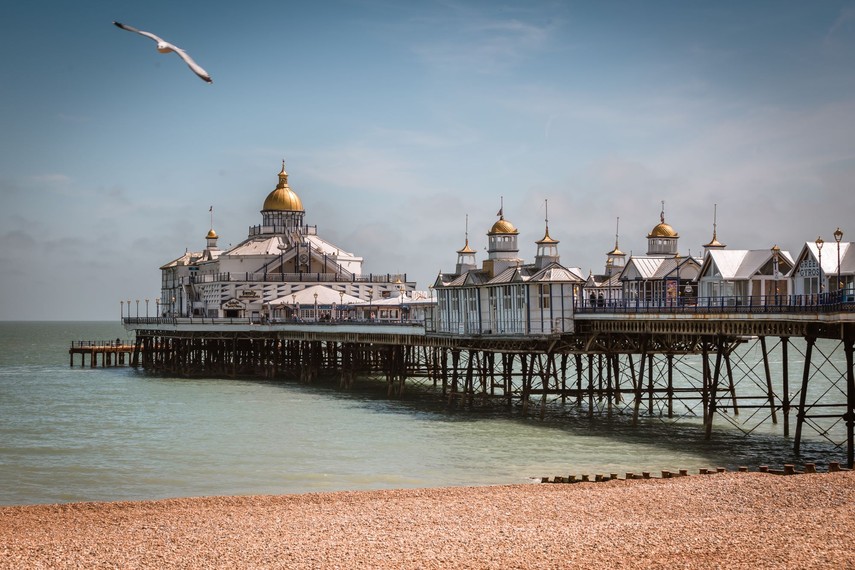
466, 255
283, 177
466, 248
547, 248
501, 208
714, 243
546, 237
616, 251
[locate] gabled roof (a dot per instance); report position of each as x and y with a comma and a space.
829, 257
555, 272
742, 264
468, 279
684, 267
256, 246
726, 261
516, 274
646, 267
189, 258
323, 246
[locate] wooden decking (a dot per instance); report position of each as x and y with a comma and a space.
112, 352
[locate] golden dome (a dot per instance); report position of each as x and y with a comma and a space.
283, 198
211, 234
662, 230
502, 226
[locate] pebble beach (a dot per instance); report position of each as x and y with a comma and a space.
722, 520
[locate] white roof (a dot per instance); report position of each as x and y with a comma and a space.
645, 266
727, 261
257, 246
743, 263
326, 296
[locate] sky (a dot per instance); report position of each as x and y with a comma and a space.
397, 120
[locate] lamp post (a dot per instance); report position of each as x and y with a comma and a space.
295, 309
121, 310
838, 235
129, 308
609, 271
157, 302
432, 309
400, 287
340, 303
819, 244
146, 308
316, 308
173, 305
776, 252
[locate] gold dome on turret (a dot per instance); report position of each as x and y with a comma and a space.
211, 234
282, 198
662, 229
502, 226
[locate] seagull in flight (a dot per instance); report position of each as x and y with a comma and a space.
164, 46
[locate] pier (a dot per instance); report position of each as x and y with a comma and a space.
669, 363
111, 352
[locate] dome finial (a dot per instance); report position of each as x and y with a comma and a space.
500, 213
662, 214
546, 214
283, 176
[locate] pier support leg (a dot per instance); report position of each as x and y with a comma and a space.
785, 371
800, 412
770, 392
849, 416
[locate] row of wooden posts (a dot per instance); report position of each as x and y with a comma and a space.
789, 469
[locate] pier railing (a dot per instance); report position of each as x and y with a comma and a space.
296, 277
835, 302
84, 344
266, 321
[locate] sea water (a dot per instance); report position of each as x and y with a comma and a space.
73, 433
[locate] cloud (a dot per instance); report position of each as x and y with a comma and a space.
54, 181
839, 28
469, 41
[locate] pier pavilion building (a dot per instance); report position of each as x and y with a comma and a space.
284, 269
662, 276
825, 268
746, 276
507, 296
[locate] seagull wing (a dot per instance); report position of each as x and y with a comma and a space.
140, 32
197, 69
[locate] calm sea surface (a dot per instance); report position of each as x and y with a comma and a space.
82, 434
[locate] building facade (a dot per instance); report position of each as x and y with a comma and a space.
283, 270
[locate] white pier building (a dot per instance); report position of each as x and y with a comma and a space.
283, 270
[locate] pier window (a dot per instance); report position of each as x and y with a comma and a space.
545, 296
